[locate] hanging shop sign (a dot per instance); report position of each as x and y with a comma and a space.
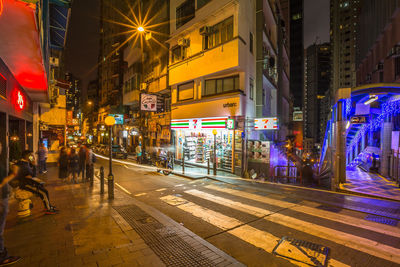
201, 123
266, 124
119, 118
359, 119
148, 102
230, 124
18, 99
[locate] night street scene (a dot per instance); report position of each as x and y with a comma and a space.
200, 133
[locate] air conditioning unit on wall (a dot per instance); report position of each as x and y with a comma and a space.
184, 42
205, 30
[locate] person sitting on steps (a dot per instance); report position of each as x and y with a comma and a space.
25, 180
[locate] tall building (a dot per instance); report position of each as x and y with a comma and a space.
111, 61
317, 84
296, 51
344, 25
228, 66
73, 93
146, 74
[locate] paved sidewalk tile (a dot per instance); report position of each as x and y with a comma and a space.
89, 231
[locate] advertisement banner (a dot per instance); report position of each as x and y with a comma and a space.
119, 118
148, 102
266, 124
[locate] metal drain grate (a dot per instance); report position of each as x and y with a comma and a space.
329, 208
302, 251
382, 220
165, 242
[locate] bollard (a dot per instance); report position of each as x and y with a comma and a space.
101, 180
110, 179
208, 166
183, 164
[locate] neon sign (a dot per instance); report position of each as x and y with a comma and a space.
19, 100
266, 124
1, 7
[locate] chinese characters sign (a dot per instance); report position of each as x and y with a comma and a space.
18, 99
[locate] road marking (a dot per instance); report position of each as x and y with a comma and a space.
139, 195
352, 241
126, 166
123, 189
349, 220
161, 189
249, 234
178, 185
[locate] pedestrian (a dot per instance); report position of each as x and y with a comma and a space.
73, 165
42, 157
90, 160
139, 153
63, 164
5, 259
26, 180
82, 162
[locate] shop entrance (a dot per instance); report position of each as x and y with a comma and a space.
17, 141
197, 147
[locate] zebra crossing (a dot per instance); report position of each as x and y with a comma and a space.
354, 240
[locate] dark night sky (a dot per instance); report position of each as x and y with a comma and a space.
82, 46
316, 21
83, 37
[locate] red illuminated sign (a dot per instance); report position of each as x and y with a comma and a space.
1, 7
18, 99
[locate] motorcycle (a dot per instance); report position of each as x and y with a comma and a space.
164, 165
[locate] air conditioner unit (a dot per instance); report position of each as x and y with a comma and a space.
184, 42
205, 30
143, 86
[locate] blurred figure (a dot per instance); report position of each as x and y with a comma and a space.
26, 180
82, 161
63, 164
73, 165
42, 157
90, 160
4, 193
139, 153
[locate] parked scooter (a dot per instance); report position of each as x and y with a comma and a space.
164, 165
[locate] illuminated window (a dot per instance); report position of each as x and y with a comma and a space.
296, 16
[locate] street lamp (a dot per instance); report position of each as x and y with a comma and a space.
215, 152
140, 29
110, 121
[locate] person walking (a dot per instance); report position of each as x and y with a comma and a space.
90, 159
139, 153
5, 259
42, 156
63, 164
82, 161
73, 165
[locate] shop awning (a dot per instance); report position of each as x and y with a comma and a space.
20, 47
58, 19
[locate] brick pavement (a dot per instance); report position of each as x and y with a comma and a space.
89, 231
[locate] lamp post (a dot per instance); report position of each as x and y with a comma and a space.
215, 152
110, 121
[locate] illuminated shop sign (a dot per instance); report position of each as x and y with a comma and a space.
266, 124
18, 99
119, 118
359, 119
198, 124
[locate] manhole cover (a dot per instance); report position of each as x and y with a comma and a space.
382, 220
302, 251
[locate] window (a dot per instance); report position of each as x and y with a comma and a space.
220, 33
184, 13
186, 91
3, 87
178, 53
397, 67
222, 85
251, 89
251, 43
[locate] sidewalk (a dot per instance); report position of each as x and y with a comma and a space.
91, 231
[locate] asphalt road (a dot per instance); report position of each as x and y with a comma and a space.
248, 223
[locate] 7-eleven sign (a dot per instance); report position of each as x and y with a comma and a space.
266, 124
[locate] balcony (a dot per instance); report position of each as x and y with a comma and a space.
220, 58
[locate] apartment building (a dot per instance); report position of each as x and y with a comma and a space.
227, 61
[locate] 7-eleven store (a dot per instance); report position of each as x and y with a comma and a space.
194, 140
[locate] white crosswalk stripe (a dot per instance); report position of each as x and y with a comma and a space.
359, 243
349, 220
249, 234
